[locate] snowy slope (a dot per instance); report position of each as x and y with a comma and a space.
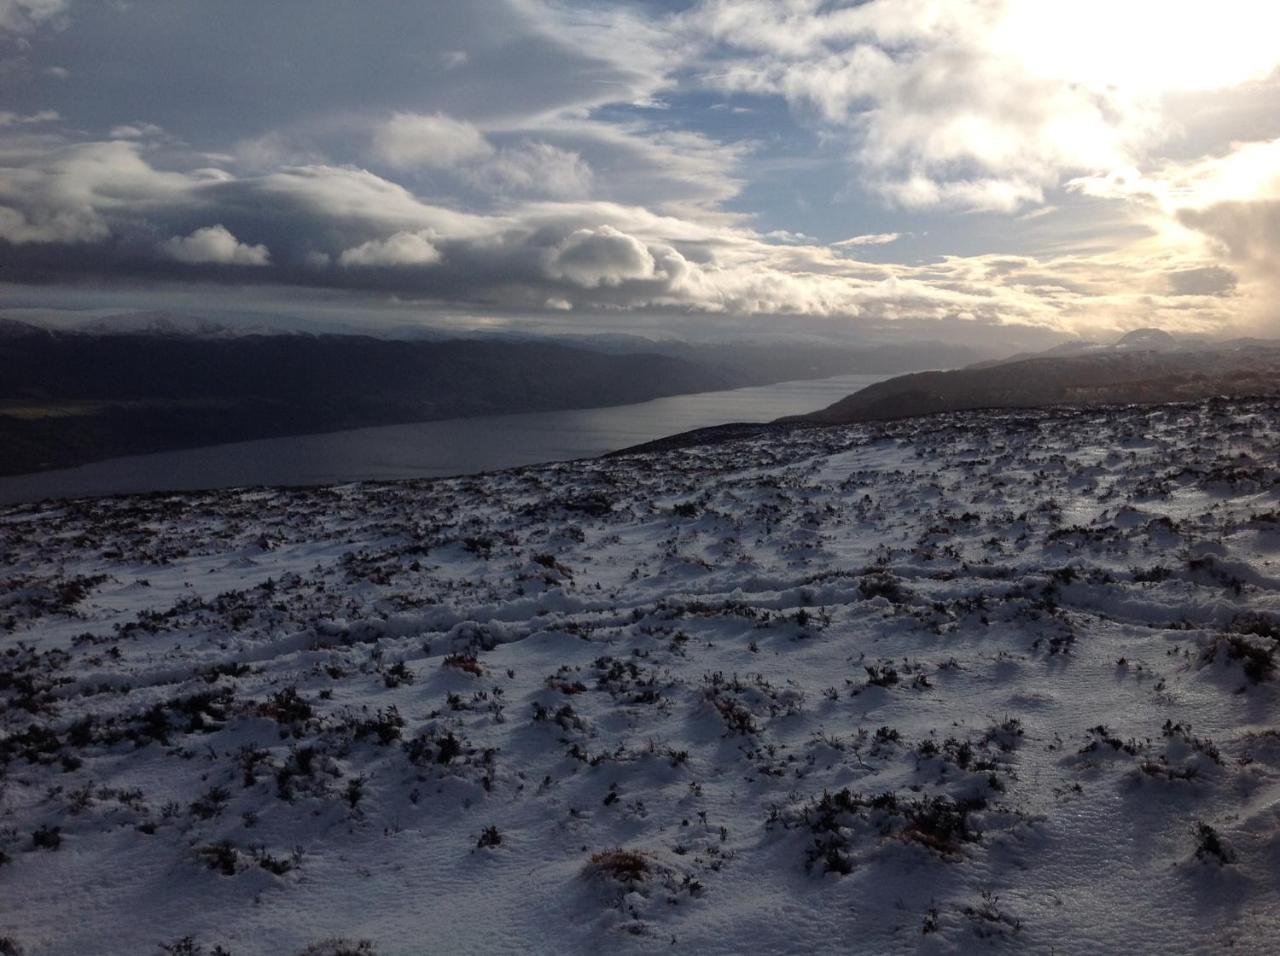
980, 682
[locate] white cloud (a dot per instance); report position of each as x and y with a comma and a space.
787, 236
519, 195
533, 169
65, 193
50, 225
401, 249
986, 104
214, 245
437, 141
17, 119
651, 165
1226, 206
870, 239
135, 131
345, 195
592, 256
603, 256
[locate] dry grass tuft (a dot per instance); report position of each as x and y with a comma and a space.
623, 866
464, 662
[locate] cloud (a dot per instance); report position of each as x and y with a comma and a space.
349, 200
871, 239
20, 226
452, 59
1248, 230
93, 210
57, 192
634, 162
440, 143
401, 249
135, 131
489, 63
16, 119
533, 175
1225, 206
23, 16
437, 141
1205, 280
601, 256
1233, 199
593, 257
533, 168
982, 104
214, 245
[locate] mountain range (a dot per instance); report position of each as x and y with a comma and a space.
157, 381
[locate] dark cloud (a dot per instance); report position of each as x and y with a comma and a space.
1248, 229
213, 72
1206, 280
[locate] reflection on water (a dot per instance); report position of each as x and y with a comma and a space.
431, 449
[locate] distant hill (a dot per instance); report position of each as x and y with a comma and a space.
1119, 375
154, 381
764, 360
1147, 340
1148, 366
156, 323
69, 398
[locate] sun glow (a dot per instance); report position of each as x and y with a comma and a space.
1144, 47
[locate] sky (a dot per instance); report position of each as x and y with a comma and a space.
989, 170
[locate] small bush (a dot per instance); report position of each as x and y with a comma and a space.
47, 838
1210, 845
340, 947
287, 707
428, 749
385, 726
278, 865
221, 856
210, 803
885, 586
885, 676
187, 946
737, 719
397, 674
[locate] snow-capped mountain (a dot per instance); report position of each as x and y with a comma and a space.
166, 324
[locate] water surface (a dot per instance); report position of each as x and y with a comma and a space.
456, 446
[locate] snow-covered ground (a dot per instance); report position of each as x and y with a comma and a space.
988, 681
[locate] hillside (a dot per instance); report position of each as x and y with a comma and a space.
981, 682
1123, 374
1147, 367
153, 382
